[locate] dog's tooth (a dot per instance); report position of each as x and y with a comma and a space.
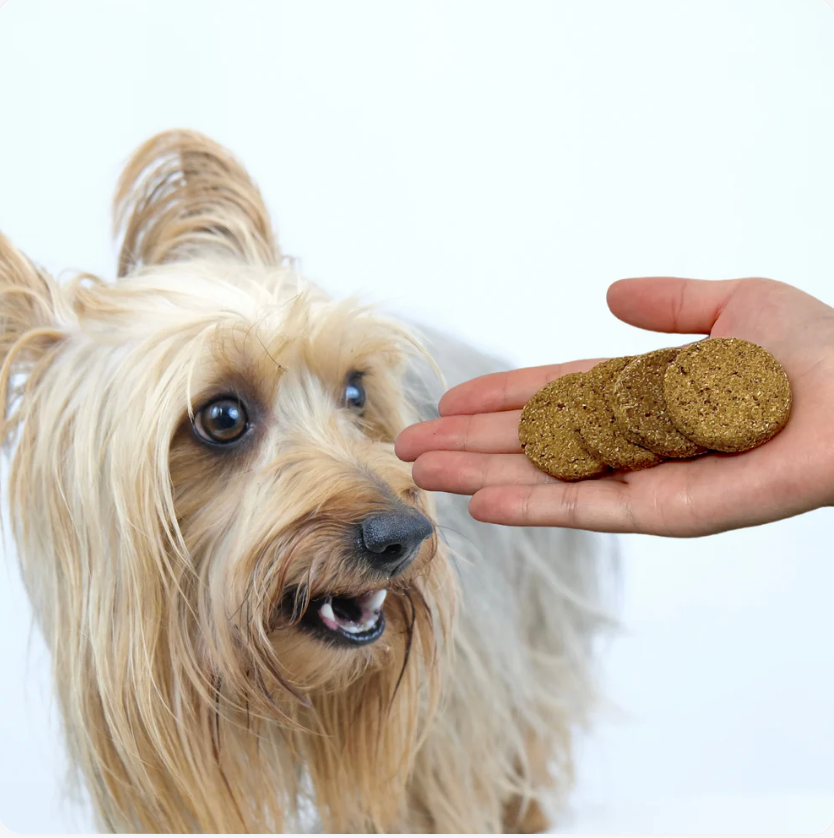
326, 612
373, 602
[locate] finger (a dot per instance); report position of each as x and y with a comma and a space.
598, 505
670, 304
487, 433
464, 474
505, 390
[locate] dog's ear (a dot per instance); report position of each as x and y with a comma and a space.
31, 311
181, 196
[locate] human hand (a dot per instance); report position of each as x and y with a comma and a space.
473, 448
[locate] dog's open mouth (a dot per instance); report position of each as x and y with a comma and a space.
350, 621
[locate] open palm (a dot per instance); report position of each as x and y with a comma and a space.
473, 448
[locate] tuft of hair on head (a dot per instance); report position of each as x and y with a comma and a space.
182, 195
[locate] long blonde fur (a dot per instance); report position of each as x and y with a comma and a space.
159, 570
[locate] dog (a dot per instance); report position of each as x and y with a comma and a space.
257, 621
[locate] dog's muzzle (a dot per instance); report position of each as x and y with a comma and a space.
387, 544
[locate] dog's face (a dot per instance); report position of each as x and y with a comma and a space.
305, 545
249, 497
307, 534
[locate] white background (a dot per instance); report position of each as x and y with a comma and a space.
490, 167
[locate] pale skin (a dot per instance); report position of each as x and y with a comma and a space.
473, 448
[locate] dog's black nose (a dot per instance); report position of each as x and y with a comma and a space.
391, 541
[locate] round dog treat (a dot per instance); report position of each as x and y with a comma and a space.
640, 406
727, 394
547, 432
598, 424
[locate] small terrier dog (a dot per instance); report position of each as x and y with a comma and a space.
257, 621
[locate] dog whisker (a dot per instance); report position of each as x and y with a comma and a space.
409, 621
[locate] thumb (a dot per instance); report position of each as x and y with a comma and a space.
670, 304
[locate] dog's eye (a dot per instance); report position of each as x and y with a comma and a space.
354, 392
222, 421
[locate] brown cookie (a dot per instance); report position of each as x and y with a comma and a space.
639, 404
727, 394
598, 424
547, 432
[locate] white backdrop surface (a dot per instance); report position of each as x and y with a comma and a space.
489, 168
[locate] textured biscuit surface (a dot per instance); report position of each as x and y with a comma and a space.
598, 424
727, 394
639, 405
548, 432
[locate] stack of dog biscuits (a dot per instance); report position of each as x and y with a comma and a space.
720, 394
